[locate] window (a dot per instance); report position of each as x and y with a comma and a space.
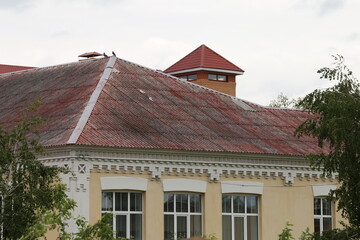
322, 214
182, 216
217, 77
190, 77
240, 217
127, 210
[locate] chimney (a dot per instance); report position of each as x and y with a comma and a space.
89, 55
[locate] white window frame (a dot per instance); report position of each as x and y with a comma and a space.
126, 213
243, 215
187, 214
321, 216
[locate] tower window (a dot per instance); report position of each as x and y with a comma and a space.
190, 77
217, 77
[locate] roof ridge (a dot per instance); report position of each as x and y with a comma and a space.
202, 56
92, 101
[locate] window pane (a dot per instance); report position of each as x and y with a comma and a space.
168, 227
195, 203
316, 225
226, 228
181, 203
252, 228
136, 226
107, 201
169, 202
317, 206
226, 204
195, 225
326, 206
221, 77
120, 225
239, 204
135, 202
327, 224
183, 77
192, 77
121, 201
239, 228
251, 204
181, 227
212, 77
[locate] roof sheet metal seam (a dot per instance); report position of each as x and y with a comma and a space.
92, 101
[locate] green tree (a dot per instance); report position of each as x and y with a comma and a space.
33, 199
335, 122
26, 185
283, 101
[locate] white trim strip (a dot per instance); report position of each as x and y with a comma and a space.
207, 69
242, 187
92, 101
322, 190
184, 185
123, 183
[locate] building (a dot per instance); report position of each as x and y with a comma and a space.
205, 67
4, 68
171, 158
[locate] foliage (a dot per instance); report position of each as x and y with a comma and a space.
33, 200
287, 235
26, 185
335, 122
286, 232
283, 101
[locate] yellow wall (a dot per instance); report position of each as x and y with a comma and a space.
278, 204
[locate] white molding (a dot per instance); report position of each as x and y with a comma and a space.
156, 164
322, 190
184, 185
123, 183
92, 101
242, 187
207, 69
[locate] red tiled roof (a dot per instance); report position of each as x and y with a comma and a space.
12, 68
135, 107
203, 57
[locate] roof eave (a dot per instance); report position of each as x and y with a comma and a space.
207, 69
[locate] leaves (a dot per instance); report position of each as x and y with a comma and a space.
26, 185
335, 122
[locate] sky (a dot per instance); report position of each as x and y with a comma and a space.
280, 44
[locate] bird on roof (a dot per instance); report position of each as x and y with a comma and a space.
105, 55
113, 53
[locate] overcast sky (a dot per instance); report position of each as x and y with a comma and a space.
280, 44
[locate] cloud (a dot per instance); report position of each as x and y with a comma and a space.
16, 4
321, 7
353, 37
328, 6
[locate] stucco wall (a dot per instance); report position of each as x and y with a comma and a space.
277, 204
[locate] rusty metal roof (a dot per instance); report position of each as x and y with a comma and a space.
114, 103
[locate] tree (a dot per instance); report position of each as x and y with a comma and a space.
283, 101
27, 187
33, 199
335, 122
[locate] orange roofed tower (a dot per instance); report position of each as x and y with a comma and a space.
205, 67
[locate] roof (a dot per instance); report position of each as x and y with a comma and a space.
203, 58
114, 103
12, 68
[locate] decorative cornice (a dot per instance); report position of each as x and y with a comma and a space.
156, 165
